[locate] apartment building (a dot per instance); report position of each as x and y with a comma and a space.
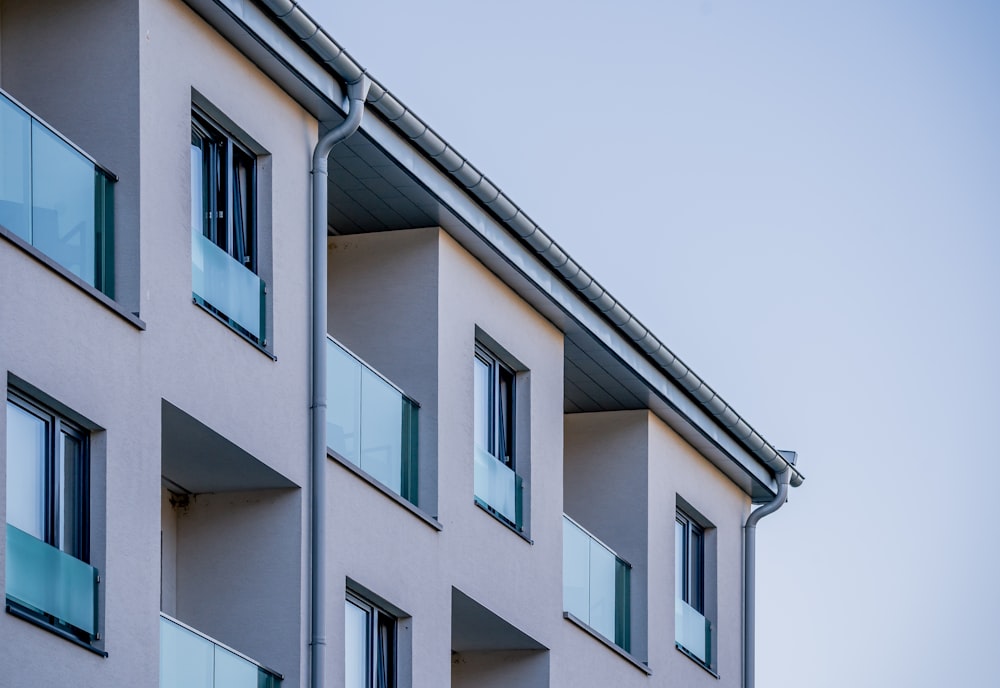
283, 416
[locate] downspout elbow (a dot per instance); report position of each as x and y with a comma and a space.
749, 572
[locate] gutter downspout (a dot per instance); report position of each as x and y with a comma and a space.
749, 572
356, 94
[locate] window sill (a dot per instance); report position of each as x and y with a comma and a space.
684, 651
99, 296
504, 522
225, 321
41, 623
395, 497
641, 666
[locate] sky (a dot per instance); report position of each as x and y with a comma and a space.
802, 200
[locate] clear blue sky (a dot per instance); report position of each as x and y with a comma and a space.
803, 200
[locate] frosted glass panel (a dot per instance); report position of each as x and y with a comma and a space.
232, 671
187, 659
602, 590
343, 403
224, 283
43, 578
15, 170
192, 660
370, 423
62, 209
381, 424
693, 630
497, 486
55, 198
595, 584
576, 571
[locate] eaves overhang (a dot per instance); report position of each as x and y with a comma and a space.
299, 55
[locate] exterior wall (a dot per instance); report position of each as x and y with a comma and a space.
607, 467
677, 471
76, 65
90, 72
521, 668
382, 296
118, 78
409, 303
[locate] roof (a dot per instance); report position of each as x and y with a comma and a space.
366, 165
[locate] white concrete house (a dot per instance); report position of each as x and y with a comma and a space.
285, 414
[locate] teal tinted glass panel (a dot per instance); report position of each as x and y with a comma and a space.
15, 169
693, 631
43, 578
370, 423
26, 435
187, 660
576, 571
602, 590
595, 584
623, 605
224, 283
62, 208
356, 646
192, 660
497, 486
381, 439
232, 671
343, 403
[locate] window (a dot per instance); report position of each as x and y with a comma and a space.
689, 542
369, 645
498, 487
494, 407
693, 630
48, 518
225, 250
223, 187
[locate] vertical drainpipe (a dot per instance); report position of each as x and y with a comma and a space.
749, 573
356, 94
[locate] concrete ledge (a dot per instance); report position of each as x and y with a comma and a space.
55, 267
398, 499
641, 666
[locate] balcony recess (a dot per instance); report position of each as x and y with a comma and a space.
370, 422
190, 659
55, 197
596, 584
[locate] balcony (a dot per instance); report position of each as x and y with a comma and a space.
55, 197
189, 659
498, 489
595, 584
370, 422
46, 581
693, 632
227, 287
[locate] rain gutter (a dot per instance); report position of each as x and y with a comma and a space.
462, 172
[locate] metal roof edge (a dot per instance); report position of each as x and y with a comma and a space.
337, 60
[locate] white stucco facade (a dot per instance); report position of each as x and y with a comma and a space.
197, 434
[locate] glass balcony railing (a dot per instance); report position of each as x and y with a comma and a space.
48, 581
370, 422
498, 488
222, 282
595, 584
55, 197
693, 631
189, 659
